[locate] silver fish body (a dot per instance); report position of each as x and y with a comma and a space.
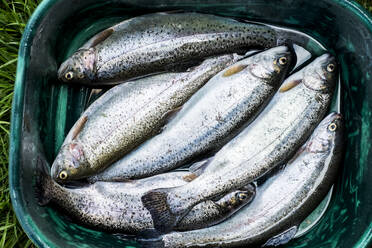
269, 140
229, 100
117, 207
282, 202
125, 116
157, 42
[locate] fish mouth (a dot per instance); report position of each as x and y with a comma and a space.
63, 69
325, 60
54, 172
338, 116
335, 116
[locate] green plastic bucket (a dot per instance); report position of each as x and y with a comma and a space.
44, 109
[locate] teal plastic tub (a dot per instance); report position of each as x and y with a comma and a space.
44, 109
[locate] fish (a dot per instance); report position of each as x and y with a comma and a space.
127, 115
117, 207
282, 202
226, 102
159, 42
210, 213
279, 130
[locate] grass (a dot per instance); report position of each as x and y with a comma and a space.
366, 4
13, 18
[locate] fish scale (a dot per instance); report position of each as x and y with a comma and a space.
126, 115
159, 42
282, 201
205, 122
117, 207
269, 140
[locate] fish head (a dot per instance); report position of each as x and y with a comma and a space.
70, 163
80, 67
272, 65
237, 199
327, 135
321, 75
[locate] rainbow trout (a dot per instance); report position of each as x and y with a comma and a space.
229, 100
127, 115
282, 202
159, 42
269, 140
117, 207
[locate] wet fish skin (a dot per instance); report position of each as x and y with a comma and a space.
158, 42
269, 140
117, 207
227, 101
210, 213
113, 125
282, 202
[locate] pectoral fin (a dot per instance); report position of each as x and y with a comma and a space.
171, 114
79, 126
189, 177
289, 85
282, 238
196, 169
100, 37
233, 70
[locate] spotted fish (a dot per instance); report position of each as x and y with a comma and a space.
125, 116
117, 207
282, 202
270, 139
159, 42
218, 109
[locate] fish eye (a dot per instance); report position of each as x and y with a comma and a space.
331, 67
332, 127
69, 75
283, 60
242, 196
63, 175
80, 75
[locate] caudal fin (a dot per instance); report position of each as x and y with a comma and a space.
43, 182
156, 202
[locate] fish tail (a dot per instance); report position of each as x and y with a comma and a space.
156, 203
43, 183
